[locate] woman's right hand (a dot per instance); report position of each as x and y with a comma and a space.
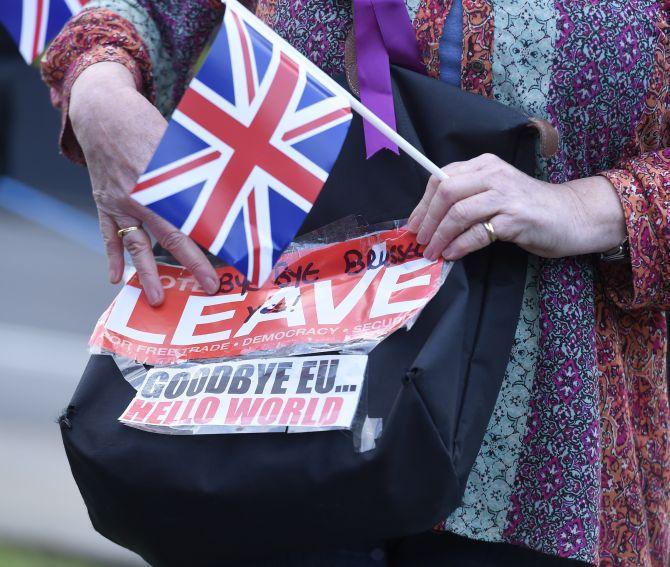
118, 130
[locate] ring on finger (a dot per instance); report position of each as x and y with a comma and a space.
490, 231
123, 231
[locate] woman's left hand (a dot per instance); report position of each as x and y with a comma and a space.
548, 220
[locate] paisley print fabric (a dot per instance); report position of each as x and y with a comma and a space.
645, 194
184, 29
597, 94
317, 28
635, 520
429, 25
476, 69
576, 458
163, 74
557, 485
483, 514
267, 12
524, 38
651, 132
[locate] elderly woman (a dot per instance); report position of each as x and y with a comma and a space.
575, 463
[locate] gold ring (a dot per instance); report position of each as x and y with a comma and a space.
123, 231
490, 231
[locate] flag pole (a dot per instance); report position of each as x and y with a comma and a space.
356, 104
392, 135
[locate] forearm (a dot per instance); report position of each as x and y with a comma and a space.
95, 83
156, 40
92, 36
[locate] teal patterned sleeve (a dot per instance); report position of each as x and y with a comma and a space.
174, 32
164, 74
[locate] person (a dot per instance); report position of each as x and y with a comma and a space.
575, 464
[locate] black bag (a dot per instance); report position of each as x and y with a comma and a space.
202, 500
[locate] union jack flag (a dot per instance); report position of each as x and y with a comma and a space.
248, 149
33, 23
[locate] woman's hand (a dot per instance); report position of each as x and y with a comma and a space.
119, 130
552, 221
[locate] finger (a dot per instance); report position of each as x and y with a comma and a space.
452, 169
447, 195
473, 239
113, 247
138, 245
460, 218
416, 218
185, 251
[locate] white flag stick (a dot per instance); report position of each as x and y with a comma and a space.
392, 135
356, 104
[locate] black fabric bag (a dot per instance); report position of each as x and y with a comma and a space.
205, 500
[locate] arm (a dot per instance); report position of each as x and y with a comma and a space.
585, 216
113, 70
156, 40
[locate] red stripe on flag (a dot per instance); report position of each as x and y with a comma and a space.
253, 228
251, 91
202, 160
251, 148
220, 201
38, 27
314, 124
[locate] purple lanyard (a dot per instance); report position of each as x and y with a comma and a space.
384, 35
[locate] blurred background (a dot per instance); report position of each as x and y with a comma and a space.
53, 288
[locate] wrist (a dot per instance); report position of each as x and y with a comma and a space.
601, 214
94, 87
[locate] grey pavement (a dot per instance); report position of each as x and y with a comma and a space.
52, 289
51, 293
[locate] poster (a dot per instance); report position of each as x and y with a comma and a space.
322, 298
251, 395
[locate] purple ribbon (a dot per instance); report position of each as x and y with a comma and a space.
384, 35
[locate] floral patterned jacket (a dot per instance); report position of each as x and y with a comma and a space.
576, 458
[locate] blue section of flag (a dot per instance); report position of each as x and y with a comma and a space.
59, 14
41, 27
217, 72
10, 16
314, 92
324, 148
182, 142
235, 248
262, 50
177, 207
291, 217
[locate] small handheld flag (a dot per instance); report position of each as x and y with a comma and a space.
247, 150
33, 23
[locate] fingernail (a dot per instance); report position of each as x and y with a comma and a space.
422, 237
412, 222
153, 295
212, 284
429, 253
113, 276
